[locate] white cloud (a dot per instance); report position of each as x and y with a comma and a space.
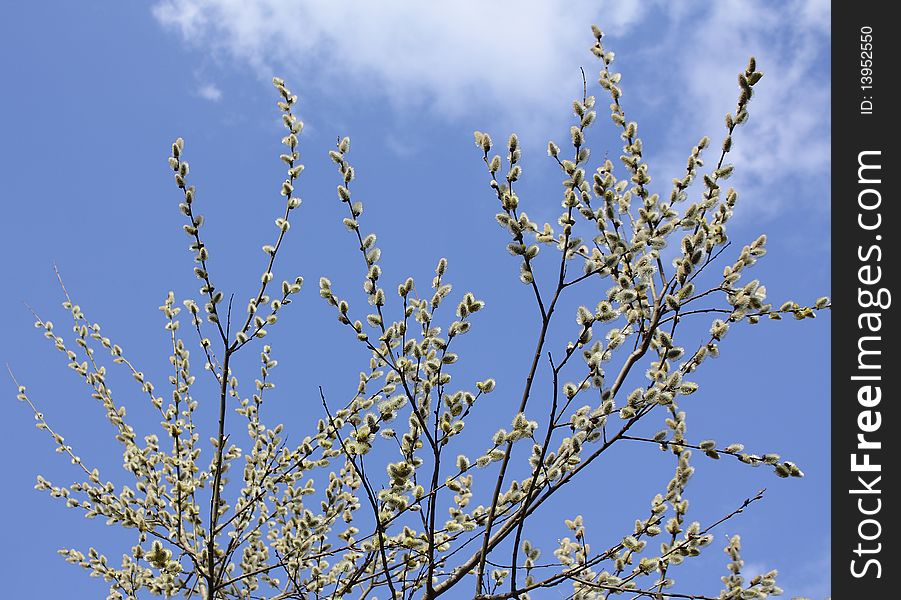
787, 139
454, 56
210, 92
518, 62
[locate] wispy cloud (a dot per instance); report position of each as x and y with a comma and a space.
787, 139
516, 60
209, 92
455, 57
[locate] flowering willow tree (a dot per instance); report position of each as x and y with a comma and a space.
220, 520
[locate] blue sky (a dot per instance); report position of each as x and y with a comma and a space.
95, 92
